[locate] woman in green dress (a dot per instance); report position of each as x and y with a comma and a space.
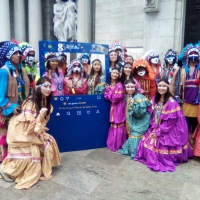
137, 118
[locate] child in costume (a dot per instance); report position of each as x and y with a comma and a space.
137, 118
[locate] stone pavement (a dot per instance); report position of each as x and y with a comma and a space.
101, 174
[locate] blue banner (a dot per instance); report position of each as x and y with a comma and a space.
78, 122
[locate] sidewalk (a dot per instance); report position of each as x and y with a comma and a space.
101, 174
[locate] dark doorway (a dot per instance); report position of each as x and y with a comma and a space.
192, 22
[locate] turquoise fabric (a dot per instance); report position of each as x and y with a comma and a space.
3, 99
99, 89
137, 120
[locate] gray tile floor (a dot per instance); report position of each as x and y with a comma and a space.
101, 174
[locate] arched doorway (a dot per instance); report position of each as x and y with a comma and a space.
192, 22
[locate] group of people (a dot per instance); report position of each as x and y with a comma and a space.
154, 106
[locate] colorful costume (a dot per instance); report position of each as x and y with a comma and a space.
170, 147
147, 82
196, 137
78, 86
172, 73
137, 123
117, 131
14, 86
28, 62
152, 58
191, 93
100, 87
31, 151
57, 83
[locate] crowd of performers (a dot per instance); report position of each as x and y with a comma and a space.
154, 110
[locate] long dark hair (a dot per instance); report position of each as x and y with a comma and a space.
97, 78
116, 60
123, 76
36, 98
167, 95
48, 67
118, 79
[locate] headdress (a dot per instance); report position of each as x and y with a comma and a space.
7, 49
118, 45
73, 64
25, 48
51, 57
151, 54
183, 56
143, 63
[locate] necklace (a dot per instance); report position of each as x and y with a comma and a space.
75, 82
58, 80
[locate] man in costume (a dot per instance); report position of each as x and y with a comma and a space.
75, 81
143, 73
14, 85
29, 64
190, 76
62, 62
172, 73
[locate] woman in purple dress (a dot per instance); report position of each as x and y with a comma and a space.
116, 95
165, 144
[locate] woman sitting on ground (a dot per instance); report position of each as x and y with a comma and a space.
31, 151
165, 144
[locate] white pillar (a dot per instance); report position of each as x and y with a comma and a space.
35, 24
4, 20
84, 29
19, 21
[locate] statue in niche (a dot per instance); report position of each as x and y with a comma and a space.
150, 3
65, 20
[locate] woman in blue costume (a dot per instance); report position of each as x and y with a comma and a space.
137, 118
14, 86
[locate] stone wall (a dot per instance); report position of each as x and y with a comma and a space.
125, 20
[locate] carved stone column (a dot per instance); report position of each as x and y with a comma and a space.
4, 20
19, 20
84, 30
35, 23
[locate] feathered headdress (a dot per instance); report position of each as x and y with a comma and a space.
72, 65
25, 48
143, 63
183, 56
118, 45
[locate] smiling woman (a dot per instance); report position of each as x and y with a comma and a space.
32, 152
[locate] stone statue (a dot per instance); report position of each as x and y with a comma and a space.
58, 24
150, 3
65, 20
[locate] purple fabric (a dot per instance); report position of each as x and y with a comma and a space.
191, 92
116, 138
171, 146
118, 103
117, 131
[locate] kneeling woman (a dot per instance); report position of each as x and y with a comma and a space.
31, 151
165, 144
137, 118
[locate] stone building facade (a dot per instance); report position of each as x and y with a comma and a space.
140, 25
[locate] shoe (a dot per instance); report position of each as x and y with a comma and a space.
6, 177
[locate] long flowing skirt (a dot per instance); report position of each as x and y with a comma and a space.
159, 157
116, 136
29, 163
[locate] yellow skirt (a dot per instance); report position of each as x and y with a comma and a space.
190, 110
